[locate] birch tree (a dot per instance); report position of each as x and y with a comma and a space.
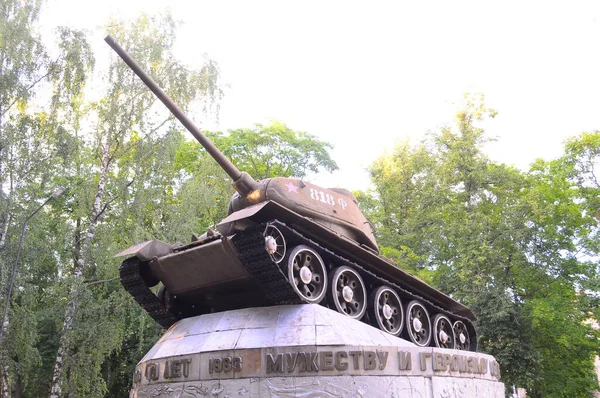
123, 118
28, 130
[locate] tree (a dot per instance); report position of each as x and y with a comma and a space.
30, 141
564, 252
275, 151
125, 118
507, 243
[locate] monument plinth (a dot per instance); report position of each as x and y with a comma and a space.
304, 350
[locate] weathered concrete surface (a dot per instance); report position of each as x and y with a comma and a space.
308, 351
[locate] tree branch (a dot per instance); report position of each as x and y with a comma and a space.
28, 88
101, 281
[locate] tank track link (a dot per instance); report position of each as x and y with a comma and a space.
132, 281
269, 276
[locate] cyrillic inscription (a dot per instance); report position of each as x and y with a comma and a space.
137, 376
275, 364
152, 371
340, 360
291, 358
463, 363
315, 361
423, 360
307, 361
494, 369
327, 360
442, 362
176, 368
355, 357
404, 360
382, 357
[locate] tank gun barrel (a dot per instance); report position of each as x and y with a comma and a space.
242, 182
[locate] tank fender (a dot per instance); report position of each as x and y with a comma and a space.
147, 250
227, 225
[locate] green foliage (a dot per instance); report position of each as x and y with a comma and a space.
504, 329
519, 248
22, 55
275, 151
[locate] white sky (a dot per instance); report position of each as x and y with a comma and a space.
364, 75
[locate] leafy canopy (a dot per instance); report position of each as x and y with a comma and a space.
520, 248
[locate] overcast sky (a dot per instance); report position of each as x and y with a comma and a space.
365, 75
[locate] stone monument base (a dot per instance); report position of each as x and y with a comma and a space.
304, 351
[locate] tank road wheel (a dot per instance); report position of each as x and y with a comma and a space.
443, 334
307, 274
418, 324
274, 243
165, 298
386, 310
348, 292
461, 336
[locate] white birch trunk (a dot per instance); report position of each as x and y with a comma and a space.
56, 386
5, 383
5, 371
5, 390
5, 376
4, 232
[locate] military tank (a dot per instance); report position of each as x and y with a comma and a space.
287, 241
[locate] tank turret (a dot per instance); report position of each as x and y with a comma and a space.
287, 241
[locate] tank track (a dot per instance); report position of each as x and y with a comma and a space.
132, 281
270, 278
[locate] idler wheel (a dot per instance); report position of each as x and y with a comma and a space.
307, 274
418, 324
461, 336
443, 334
386, 310
348, 292
274, 243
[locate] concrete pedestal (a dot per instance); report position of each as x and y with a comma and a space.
304, 351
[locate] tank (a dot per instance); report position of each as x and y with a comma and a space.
287, 241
